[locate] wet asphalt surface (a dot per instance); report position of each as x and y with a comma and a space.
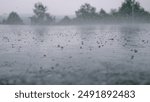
96, 54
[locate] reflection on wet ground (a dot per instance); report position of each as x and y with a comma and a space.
96, 54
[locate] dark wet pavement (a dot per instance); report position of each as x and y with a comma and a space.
96, 54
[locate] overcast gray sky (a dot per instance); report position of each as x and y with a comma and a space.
61, 7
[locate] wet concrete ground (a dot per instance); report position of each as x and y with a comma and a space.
96, 54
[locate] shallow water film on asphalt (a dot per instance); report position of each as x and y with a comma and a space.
79, 54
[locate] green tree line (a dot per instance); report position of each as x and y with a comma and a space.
130, 10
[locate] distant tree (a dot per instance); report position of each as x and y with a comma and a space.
13, 18
102, 13
65, 20
130, 7
126, 8
49, 19
113, 12
86, 11
40, 16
